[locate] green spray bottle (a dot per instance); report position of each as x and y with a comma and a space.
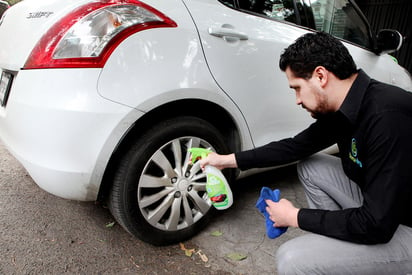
217, 188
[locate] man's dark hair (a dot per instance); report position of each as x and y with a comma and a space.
317, 49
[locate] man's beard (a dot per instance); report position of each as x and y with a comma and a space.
320, 110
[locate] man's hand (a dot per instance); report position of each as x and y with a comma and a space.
219, 161
282, 213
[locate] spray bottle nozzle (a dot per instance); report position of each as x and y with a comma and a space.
198, 153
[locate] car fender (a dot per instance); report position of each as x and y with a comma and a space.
157, 66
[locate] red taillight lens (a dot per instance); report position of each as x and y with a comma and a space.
86, 37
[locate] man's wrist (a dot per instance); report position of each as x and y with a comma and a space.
232, 161
294, 217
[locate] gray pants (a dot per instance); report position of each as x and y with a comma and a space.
327, 187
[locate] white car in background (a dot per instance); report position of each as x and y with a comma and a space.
100, 100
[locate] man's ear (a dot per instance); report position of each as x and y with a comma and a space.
321, 74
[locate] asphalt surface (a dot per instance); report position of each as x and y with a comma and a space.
44, 234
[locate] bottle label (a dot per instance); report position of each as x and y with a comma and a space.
216, 191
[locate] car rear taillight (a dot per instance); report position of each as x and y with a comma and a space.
86, 37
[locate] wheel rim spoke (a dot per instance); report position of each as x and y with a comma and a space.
173, 220
149, 200
177, 153
194, 142
149, 181
160, 159
188, 212
159, 212
201, 204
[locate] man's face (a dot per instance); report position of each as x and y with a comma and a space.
309, 94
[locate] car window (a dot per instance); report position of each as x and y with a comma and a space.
339, 18
230, 3
306, 14
276, 9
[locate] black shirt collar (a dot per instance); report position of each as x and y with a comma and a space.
352, 103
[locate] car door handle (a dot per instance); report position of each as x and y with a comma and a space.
227, 33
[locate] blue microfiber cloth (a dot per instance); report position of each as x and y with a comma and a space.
267, 194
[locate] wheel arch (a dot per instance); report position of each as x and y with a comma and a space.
203, 109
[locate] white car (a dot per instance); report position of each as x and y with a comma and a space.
100, 100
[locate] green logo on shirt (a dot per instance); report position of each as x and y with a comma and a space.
354, 153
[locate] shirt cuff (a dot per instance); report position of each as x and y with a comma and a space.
244, 160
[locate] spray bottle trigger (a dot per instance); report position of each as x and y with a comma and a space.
198, 153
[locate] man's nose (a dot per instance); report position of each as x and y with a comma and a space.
298, 100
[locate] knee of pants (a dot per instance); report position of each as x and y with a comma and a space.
289, 260
297, 256
300, 168
316, 165
311, 163
304, 169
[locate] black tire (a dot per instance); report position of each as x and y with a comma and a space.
157, 195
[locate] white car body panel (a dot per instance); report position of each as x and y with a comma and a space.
55, 128
64, 124
234, 63
37, 19
380, 67
172, 78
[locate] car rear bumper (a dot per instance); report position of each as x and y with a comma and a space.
61, 130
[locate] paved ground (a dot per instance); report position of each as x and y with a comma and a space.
43, 234
243, 226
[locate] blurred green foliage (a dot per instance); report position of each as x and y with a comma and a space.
12, 2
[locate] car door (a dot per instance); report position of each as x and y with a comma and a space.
242, 51
243, 39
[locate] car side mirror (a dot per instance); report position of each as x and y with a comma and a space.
389, 41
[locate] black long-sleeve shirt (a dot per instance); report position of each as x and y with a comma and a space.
373, 130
